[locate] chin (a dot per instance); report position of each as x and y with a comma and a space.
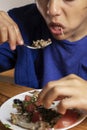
61, 37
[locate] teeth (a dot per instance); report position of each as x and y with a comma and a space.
60, 28
57, 28
62, 32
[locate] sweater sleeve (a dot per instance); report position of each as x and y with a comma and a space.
7, 57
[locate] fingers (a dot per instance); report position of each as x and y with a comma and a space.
18, 33
9, 31
66, 81
51, 85
3, 30
47, 97
68, 103
45, 90
65, 87
13, 38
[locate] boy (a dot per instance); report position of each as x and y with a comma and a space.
64, 62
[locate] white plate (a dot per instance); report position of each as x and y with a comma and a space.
7, 108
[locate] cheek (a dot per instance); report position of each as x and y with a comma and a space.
77, 16
42, 7
73, 20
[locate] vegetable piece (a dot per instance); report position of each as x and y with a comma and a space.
30, 108
66, 120
36, 117
27, 98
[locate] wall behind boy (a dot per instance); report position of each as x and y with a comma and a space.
8, 4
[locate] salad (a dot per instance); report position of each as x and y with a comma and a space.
31, 116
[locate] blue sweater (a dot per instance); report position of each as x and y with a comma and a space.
35, 68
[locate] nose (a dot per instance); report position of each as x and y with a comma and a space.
54, 7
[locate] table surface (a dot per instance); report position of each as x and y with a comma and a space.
8, 90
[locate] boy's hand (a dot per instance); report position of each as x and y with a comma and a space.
9, 31
72, 88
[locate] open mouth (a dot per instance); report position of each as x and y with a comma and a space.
56, 29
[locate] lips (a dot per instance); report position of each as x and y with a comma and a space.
56, 29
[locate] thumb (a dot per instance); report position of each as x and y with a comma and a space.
67, 103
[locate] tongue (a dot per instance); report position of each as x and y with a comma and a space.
56, 30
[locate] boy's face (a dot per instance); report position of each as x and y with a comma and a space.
66, 19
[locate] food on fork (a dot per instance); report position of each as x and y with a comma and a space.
41, 43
